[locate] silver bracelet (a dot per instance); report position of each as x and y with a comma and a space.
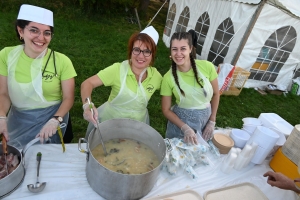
2, 117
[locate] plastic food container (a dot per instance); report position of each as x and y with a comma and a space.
240, 137
273, 120
252, 121
186, 194
281, 163
249, 128
279, 142
223, 142
243, 191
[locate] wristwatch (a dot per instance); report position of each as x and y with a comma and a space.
58, 118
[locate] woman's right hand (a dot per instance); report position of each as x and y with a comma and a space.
3, 128
90, 116
189, 135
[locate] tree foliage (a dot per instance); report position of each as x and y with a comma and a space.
108, 6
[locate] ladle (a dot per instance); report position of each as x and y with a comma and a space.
91, 107
38, 187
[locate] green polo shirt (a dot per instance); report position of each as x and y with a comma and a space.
110, 76
51, 84
168, 86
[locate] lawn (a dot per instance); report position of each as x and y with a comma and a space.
93, 43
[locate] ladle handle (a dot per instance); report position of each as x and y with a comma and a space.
38, 158
4, 145
91, 107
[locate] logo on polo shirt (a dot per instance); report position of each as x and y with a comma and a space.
150, 88
48, 76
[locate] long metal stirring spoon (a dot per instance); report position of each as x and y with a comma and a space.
91, 107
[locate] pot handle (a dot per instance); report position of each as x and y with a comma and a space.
29, 144
169, 145
79, 145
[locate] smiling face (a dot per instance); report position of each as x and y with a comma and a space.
35, 44
180, 52
140, 61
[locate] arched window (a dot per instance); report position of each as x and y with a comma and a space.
170, 20
201, 30
222, 39
183, 20
274, 54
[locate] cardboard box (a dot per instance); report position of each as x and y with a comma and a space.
276, 92
271, 89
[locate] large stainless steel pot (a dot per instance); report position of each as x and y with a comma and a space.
11, 182
112, 185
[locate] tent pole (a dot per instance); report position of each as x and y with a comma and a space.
247, 33
138, 19
156, 14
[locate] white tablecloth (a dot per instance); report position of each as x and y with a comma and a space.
66, 179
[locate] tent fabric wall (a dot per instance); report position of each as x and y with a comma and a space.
290, 5
270, 19
218, 11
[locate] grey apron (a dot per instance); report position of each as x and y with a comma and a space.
24, 125
195, 118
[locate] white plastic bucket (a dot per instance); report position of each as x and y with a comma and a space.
260, 155
264, 137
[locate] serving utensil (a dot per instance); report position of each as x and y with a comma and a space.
38, 187
91, 107
4, 146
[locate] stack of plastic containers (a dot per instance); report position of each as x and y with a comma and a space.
238, 159
239, 137
266, 139
272, 120
250, 124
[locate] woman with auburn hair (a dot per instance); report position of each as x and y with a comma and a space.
132, 83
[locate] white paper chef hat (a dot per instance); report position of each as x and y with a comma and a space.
150, 30
36, 14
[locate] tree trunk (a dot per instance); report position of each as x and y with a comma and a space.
143, 8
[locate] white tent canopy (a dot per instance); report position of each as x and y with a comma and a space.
259, 36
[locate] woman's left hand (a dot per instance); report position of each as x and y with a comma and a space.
48, 130
209, 129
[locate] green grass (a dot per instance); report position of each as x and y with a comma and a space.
95, 42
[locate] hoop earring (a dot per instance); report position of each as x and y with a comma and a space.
21, 38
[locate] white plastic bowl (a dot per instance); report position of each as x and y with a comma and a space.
240, 137
249, 128
252, 121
